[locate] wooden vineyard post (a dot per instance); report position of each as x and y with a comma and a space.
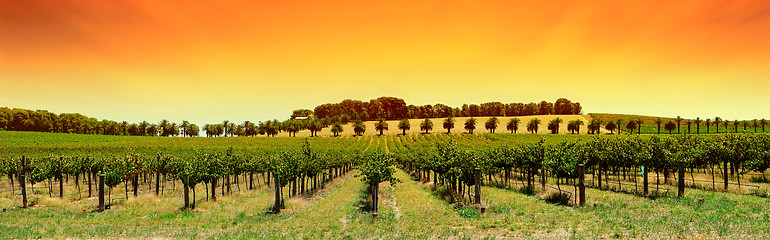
157, 180
646, 182
681, 179
376, 188
185, 182
23, 181
101, 192
277, 205
477, 181
582, 184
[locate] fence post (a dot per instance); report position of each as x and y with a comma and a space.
101, 192
185, 182
582, 183
376, 189
157, 180
646, 182
277, 205
23, 181
681, 179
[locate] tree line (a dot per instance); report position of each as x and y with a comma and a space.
392, 108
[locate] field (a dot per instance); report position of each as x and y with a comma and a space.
413, 208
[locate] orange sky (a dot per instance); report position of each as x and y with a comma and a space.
207, 61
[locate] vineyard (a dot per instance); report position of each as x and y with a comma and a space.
393, 186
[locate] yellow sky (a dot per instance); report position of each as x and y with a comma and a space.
257, 60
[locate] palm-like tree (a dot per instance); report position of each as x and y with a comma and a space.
533, 125
697, 125
736, 123
619, 124
670, 126
143, 128
611, 127
163, 125
449, 123
381, 125
708, 123
639, 125
745, 125
426, 125
755, 124
726, 123
763, 122
574, 126
658, 121
404, 125
717, 120
359, 127
689, 123
337, 128
470, 125
226, 126
678, 124
554, 125
184, 126
631, 126
491, 124
513, 125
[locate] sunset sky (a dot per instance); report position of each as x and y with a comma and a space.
207, 61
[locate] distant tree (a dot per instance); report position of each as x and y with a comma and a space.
533, 125
185, 124
575, 125
152, 130
755, 124
670, 126
491, 124
708, 124
678, 122
631, 126
164, 128
639, 125
225, 127
619, 125
192, 130
337, 128
595, 126
426, 125
359, 128
658, 121
736, 123
611, 127
553, 125
717, 120
314, 125
745, 125
404, 125
763, 122
143, 128
470, 125
697, 125
689, 123
173, 130
449, 123
513, 125
381, 125
726, 123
